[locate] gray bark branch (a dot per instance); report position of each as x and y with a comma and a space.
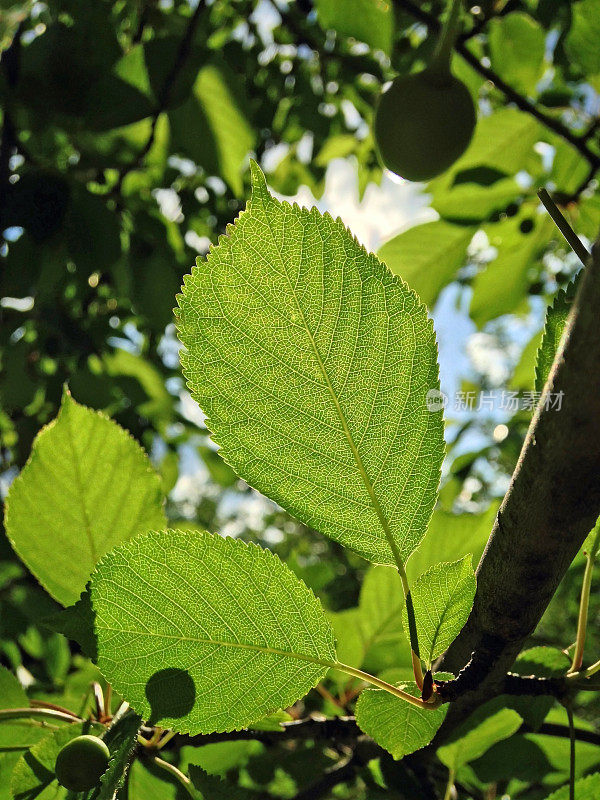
551, 505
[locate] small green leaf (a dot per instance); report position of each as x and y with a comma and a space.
12, 693
379, 622
556, 319
16, 733
448, 536
369, 21
582, 39
517, 46
348, 641
272, 722
206, 634
397, 726
504, 283
290, 319
478, 733
221, 757
428, 256
587, 788
442, 599
87, 486
212, 127
522, 379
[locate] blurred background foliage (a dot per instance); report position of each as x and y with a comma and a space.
126, 132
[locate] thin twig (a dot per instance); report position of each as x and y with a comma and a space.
43, 713
584, 603
164, 95
449, 785
182, 779
8, 139
44, 704
563, 226
563, 732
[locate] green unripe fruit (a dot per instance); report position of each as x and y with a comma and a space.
81, 763
423, 123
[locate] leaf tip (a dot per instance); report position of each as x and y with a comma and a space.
257, 180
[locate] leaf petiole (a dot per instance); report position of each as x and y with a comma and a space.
435, 701
44, 713
585, 673
584, 603
182, 779
449, 785
412, 631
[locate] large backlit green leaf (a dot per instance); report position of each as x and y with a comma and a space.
397, 726
442, 599
428, 256
313, 363
87, 486
204, 633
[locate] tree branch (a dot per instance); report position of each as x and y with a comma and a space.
562, 731
337, 729
578, 142
560, 687
8, 139
551, 505
164, 95
342, 773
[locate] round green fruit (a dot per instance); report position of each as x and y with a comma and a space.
81, 763
423, 124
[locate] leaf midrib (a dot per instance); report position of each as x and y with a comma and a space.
79, 486
219, 643
342, 417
